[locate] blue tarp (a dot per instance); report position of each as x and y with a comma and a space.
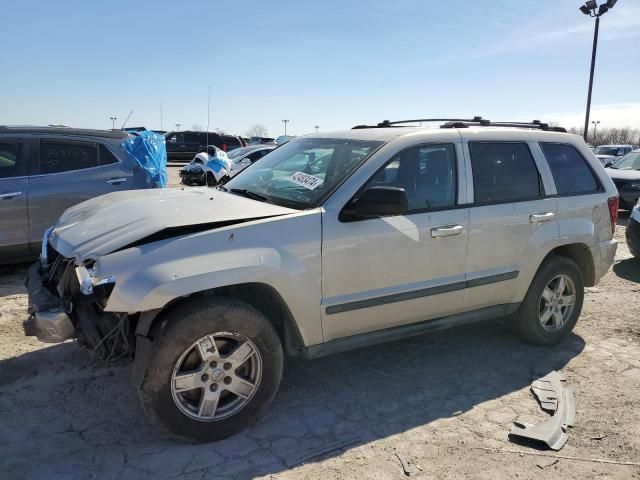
150, 152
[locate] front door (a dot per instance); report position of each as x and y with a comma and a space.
384, 272
14, 184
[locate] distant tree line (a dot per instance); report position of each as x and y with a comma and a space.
610, 136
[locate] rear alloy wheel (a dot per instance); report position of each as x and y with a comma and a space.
557, 302
215, 366
553, 303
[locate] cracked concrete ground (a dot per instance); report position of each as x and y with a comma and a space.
435, 406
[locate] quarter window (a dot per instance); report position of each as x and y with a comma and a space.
570, 170
427, 174
503, 172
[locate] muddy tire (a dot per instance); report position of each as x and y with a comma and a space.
215, 366
553, 303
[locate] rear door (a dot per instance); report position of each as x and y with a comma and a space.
509, 214
67, 172
14, 184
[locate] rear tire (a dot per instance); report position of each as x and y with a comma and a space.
553, 303
191, 390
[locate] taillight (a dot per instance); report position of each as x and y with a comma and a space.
614, 203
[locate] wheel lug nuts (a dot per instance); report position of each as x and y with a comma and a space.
213, 364
227, 380
204, 377
213, 387
227, 366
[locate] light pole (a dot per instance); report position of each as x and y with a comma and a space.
113, 122
285, 121
589, 8
178, 125
595, 126
317, 127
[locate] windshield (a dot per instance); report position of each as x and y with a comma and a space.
606, 151
631, 161
301, 172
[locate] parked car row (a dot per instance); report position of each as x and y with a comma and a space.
183, 145
198, 171
328, 243
608, 154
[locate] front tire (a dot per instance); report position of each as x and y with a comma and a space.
215, 366
553, 303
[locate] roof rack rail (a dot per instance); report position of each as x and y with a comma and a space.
464, 123
398, 123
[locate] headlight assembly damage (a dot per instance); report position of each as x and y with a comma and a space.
68, 300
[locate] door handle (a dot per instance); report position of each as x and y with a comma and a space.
446, 231
541, 217
116, 181
9, 195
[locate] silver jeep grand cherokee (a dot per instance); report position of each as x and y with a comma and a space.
333, 241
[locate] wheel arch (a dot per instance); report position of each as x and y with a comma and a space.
581, 254
261, 296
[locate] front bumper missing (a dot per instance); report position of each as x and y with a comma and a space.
47, 319
556, 398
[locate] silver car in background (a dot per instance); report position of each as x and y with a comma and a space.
45, 170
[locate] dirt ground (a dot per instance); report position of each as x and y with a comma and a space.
436, 406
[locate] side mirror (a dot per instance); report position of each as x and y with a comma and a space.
608, 164
378, 202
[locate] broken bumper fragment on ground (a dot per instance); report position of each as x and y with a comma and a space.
556, 398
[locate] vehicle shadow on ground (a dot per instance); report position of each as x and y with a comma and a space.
12, 279
623, 218
628, 269
70, 411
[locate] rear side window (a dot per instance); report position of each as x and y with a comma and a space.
62, 156
570, 170
9, 162
503, 172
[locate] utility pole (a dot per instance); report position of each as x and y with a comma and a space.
285, 121
113, 122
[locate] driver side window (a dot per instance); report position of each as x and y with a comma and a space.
427, 173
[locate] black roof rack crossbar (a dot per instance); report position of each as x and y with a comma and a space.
464, 123
398, 123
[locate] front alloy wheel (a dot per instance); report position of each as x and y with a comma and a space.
214, 367
216, 376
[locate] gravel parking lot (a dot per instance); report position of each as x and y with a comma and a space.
436, 406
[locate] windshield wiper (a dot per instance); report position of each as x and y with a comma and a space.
250, 194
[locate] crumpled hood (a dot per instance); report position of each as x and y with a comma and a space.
617, 174
106, 223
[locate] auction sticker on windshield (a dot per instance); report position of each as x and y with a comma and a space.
305, 180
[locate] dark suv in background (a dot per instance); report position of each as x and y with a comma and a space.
184, 145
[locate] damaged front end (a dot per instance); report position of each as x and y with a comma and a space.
68, 300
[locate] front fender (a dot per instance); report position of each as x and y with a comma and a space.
150, 276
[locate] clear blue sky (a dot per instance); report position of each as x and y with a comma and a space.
328, 63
